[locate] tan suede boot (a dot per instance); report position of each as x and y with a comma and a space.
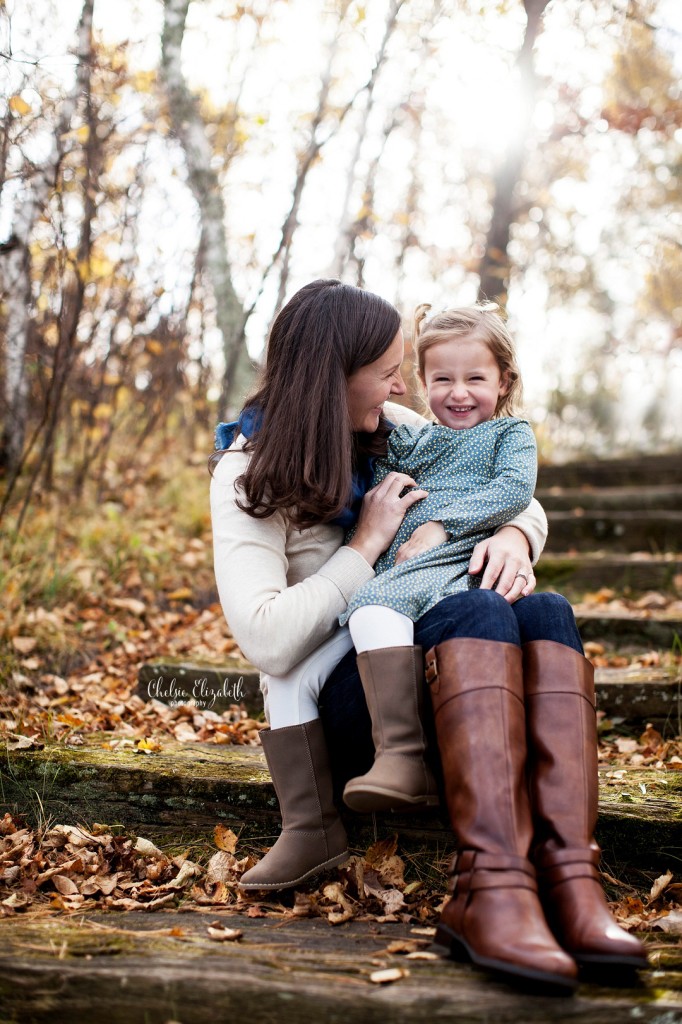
313, 838
562, 759
393, 681
494, 918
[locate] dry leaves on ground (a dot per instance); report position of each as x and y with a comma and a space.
70, 868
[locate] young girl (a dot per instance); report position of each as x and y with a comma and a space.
478, 466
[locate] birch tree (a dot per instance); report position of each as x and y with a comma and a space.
204, 182
15, 255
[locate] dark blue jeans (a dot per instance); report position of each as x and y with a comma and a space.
481, 614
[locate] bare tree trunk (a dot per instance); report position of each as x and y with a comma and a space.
205, 185
15, 258
495, 267
344, 241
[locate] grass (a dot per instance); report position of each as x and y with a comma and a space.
146, 537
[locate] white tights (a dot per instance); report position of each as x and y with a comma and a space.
291, 699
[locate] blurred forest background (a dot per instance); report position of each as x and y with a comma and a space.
171, 171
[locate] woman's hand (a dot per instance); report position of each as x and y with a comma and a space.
508, 564
382, 512
428, 535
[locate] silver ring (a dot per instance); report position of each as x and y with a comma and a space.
523, 575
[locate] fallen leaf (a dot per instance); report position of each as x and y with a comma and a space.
147, 848
221, 867
661, 883
406, 945
220, 933
24, 644
16, 742
388, 975
225, 839
128, 604
148, 746
671, 922
66, 886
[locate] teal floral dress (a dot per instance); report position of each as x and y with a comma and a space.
477, 479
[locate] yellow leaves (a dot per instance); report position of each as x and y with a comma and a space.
144, 81
96, 268
102, 411
19, 106
155, 347
148, 746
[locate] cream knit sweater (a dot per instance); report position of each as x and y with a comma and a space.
281, 588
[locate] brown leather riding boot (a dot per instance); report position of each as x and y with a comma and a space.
563, 781
494, 918
393, 682
313, 838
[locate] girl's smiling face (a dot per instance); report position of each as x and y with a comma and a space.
373, 384
463, 382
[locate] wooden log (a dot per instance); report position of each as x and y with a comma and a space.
293, 972
198, 785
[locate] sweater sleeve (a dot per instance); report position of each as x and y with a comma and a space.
274, 624
507, 494
533, 525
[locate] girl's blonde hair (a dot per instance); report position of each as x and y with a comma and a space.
483, 322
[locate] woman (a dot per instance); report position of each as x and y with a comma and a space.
293, 478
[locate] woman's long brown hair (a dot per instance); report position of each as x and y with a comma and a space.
304, 451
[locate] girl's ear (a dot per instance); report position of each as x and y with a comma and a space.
505, 384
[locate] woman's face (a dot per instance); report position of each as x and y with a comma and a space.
372, 385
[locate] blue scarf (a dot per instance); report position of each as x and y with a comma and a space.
248, 423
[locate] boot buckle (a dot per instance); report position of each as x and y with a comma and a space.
432, 671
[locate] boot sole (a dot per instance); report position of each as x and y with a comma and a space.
318, 869
367, 799
605, 969
459, 950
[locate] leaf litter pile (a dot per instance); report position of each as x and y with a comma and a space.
67, 870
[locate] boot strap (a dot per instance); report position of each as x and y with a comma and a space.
475, 860
565, 872
547, 859
472, 870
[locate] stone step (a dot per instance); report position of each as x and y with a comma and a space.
590, 530
637, 695
651, 499
638, 471
163, 967
638, 572
196, 785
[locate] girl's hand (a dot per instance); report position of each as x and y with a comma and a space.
508, 564
428, 535
382, 512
